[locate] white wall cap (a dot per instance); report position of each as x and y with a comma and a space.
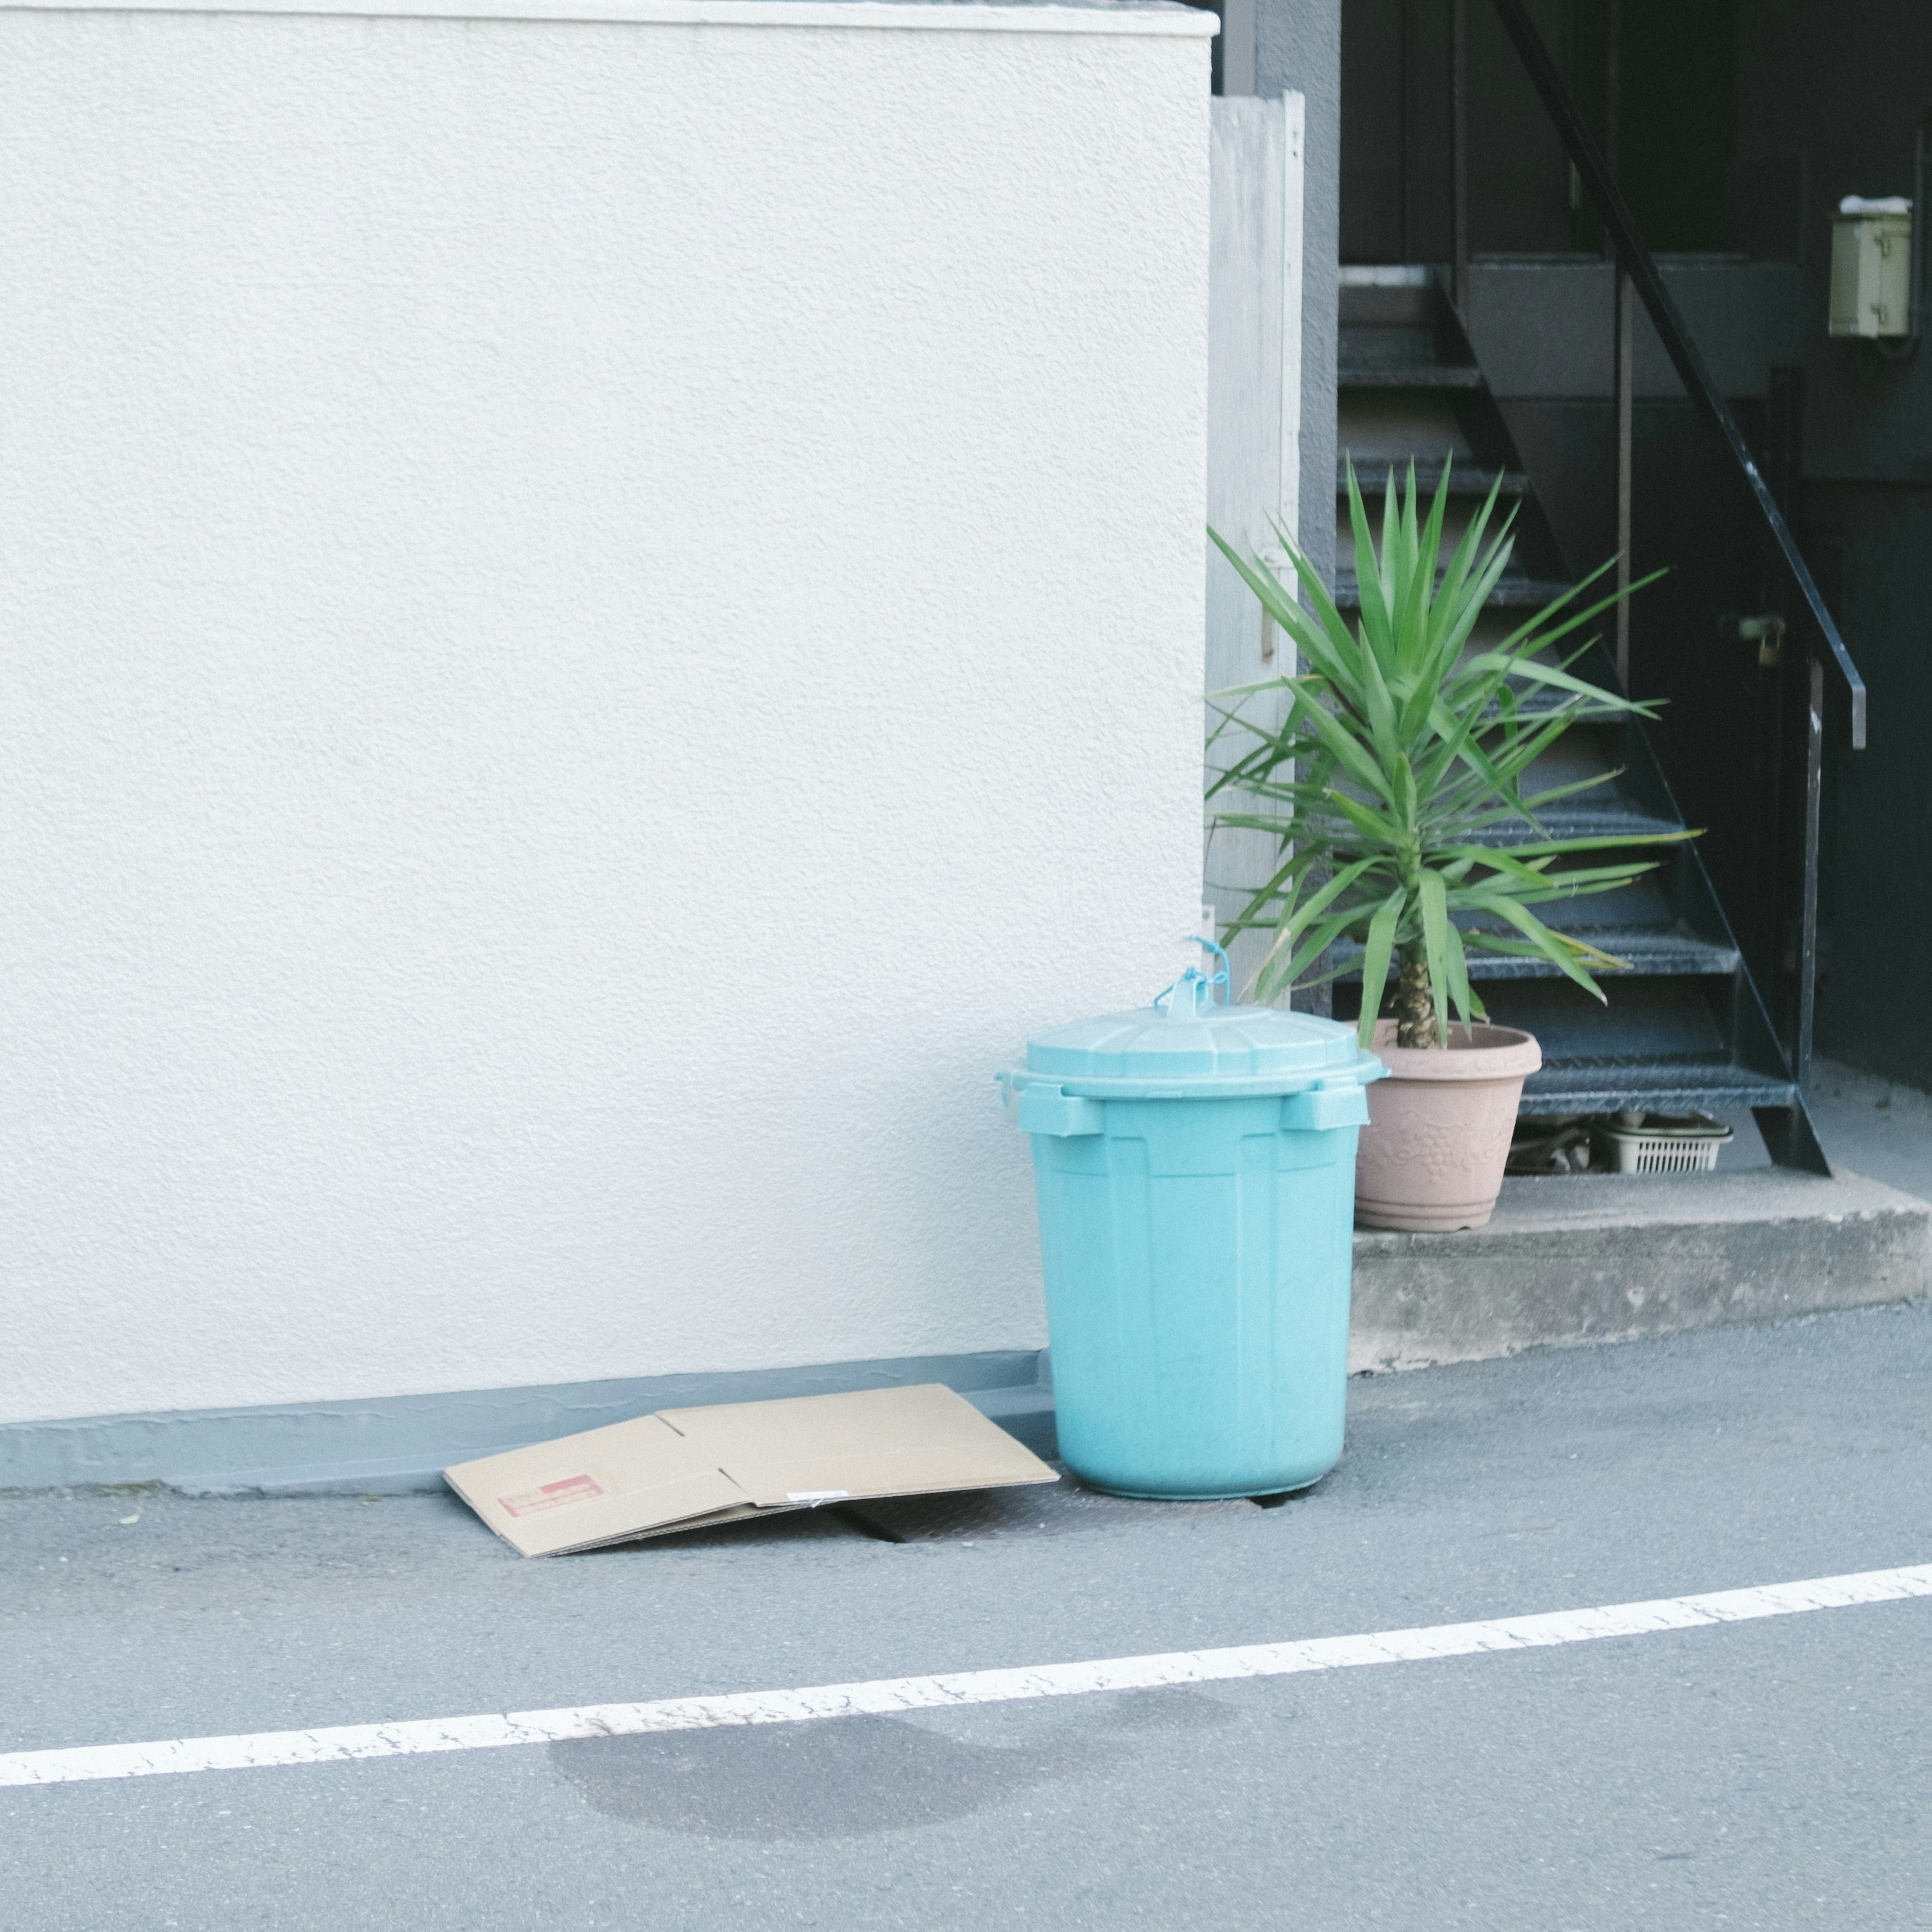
1159, 17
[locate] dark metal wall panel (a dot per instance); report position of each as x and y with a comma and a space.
1545, 327
1873, 544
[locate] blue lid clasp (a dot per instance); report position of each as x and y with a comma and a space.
1193, 992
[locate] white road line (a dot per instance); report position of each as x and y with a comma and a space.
261, 1749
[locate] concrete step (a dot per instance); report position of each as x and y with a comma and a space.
1607, 1258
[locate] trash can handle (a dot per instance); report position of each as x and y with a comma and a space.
1194, 979
1060, 1115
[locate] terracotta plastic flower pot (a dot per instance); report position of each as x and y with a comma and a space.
1439, 1127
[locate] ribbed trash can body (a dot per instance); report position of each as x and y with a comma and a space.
1196, 1236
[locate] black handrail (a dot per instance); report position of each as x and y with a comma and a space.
1641, 266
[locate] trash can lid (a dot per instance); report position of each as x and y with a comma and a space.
1193, 1043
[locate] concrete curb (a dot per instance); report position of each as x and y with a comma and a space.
383, 1445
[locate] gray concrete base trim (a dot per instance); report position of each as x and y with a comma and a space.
1564, 1262
383, 1444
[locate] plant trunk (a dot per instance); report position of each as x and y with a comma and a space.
1415, 1006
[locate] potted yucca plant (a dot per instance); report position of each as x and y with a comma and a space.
1394, 786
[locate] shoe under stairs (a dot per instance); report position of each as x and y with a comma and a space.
1685, 1029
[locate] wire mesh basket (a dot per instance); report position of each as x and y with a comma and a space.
1633, 1143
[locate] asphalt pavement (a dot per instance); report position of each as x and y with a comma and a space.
1773, 1774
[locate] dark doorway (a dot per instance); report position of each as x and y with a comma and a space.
1677, 84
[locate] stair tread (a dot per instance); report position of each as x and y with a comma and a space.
1660, 1087
1408, 376
1536, 700
1529, 593
1372, 471
1609, 821
1629, 821
1657, 952
1683, 957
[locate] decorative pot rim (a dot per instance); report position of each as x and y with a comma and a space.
1481, 1053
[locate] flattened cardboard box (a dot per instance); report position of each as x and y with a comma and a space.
687, 1468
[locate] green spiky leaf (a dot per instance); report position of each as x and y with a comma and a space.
1396, 767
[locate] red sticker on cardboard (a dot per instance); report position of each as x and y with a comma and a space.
554, 1495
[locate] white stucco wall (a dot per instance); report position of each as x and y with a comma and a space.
598, 617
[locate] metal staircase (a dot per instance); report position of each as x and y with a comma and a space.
1685, 1029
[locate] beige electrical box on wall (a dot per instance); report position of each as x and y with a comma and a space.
1871, 267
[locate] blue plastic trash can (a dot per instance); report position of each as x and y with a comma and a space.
1196, 1164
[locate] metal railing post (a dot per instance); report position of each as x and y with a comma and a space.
1921, 212
1626, 410
1459, 156
1613, 100
1623, 382
1808, 932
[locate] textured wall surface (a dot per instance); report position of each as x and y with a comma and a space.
599, 619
